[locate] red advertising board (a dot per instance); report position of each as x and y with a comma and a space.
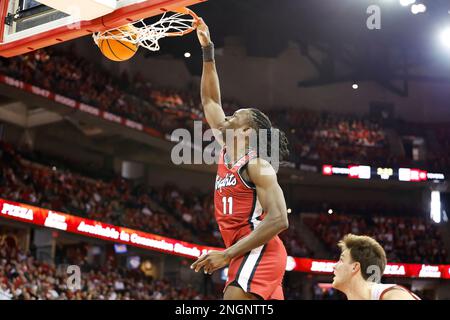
95, 229
405, 270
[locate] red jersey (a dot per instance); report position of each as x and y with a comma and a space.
237, 208
238, 212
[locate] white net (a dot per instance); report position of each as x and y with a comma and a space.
147, 35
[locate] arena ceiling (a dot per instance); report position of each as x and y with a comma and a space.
266, 25
402, 49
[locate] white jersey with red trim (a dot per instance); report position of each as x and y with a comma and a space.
379, 289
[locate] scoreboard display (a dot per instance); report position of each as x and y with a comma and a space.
382, 173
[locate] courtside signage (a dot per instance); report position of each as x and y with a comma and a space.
95, 229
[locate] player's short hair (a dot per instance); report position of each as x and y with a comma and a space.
365, 250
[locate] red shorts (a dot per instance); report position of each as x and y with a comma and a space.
260, 271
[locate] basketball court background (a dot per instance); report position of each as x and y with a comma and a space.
85, 142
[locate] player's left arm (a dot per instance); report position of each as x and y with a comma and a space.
272, 201
397, 294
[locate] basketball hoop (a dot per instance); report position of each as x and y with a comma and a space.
173, 23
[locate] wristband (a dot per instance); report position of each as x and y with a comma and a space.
208, 53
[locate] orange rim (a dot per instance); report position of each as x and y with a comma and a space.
185, 11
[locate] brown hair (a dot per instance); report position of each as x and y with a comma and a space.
365, 250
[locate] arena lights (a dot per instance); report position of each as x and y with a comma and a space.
290, 263
406, 174
435, 206
327, 170
385, 173
418, 8
367, 172
359, 172
406, 3
445, 37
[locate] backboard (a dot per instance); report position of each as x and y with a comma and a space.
27, 25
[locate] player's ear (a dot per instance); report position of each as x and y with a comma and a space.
356, 267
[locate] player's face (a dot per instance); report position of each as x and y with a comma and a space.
237, 123
343, 270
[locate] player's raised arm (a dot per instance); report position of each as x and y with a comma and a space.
210, 87
272, 201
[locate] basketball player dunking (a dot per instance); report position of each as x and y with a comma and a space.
250, 208
361, 258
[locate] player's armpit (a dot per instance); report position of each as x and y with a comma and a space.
269, 192
397, 294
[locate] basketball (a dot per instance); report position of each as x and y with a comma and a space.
118, 50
